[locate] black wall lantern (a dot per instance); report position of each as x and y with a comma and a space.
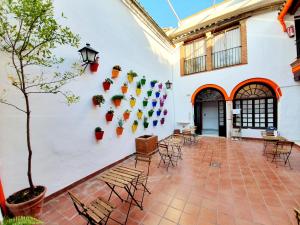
88, 54
169, 84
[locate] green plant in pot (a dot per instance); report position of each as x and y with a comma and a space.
21, 220
29, 34
138, 88
143, 80
145, 122
98, 100
150, 112
145, 102
117, 99
131, 75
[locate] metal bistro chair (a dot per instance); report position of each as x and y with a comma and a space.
281, 152
96, 212
167, 155
297, 216
175, 142
143, 179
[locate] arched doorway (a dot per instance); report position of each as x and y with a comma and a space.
258, 104
210, 112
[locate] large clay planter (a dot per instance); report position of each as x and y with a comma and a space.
126, 115
94, 67
115, 73
133, 128
124, 89
138, 91
139, 115
99, 135
132, 102
146, 144
130, 78
117, 102
32, 207
149, 93
106, 86
119, 130
109, 117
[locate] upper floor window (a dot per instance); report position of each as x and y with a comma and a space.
226, 48
195, 56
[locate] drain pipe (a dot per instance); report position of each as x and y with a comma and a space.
283, 13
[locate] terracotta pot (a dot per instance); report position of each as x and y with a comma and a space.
32, 207
95, 102
119, 130
124, 89
106, 86
130, 78
126, 115
94, 67
109, 116
117, 102
138, 91
139, 115
133, 128
132, 103
115, 73
99, 135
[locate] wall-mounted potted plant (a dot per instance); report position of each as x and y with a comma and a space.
152, 83
131, 75
138, 88
124, 88
165, 112
134, 126
145, 102
109, 115
157, 94
161, 102
145, 122
162, 121
165, 96
154, 102
150, 112
94, 65
106, 84
143, 81
126, 114
132, 101
99, 133
117, 99
149, 93
119, 129
158, 112
98, 100
115, 71
160, 86
155, 123
139, 114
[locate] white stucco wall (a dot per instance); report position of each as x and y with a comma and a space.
65, 149
270, 52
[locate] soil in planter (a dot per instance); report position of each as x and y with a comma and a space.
25, 195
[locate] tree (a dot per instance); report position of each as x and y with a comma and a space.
28, 35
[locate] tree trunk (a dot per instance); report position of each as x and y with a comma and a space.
28, 142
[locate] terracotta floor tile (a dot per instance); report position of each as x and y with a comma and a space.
166, 222
173, 214
151, 219
188, 219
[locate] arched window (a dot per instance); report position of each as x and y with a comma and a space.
258, 106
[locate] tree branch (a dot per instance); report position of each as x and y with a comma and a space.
42, 92
12, 105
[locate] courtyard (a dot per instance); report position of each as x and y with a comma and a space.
218, 182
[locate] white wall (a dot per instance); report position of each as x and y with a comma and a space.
63, 140
270, 52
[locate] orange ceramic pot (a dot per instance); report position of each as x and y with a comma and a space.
115, 73
126, 115
117, 102
119, 130
124, 89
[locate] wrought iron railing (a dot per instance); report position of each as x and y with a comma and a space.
195, 65
228, 57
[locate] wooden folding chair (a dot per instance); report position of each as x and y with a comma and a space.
281, 152
297, 216
167, 155
96, 212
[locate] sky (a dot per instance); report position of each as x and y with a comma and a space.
162, 14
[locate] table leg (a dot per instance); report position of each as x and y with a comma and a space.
113, 191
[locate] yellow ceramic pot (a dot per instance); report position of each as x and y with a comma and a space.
138, 91
132, 102
139, 115
130, 78
133, 128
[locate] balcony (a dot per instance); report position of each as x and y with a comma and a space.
195, 65
228, 57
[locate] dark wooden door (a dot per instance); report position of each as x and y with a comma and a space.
222, 118
198, 117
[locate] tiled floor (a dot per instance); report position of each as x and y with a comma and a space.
245, 190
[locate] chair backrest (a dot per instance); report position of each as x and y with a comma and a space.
286, 146
143, 159
162, 148
79, 206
